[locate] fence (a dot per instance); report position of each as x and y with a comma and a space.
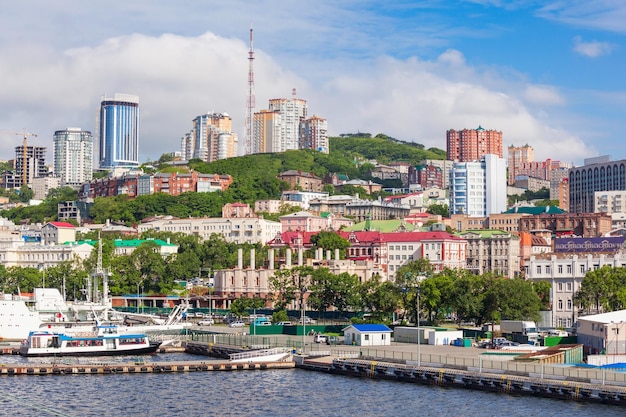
499, 366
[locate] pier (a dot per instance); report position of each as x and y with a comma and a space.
133, 368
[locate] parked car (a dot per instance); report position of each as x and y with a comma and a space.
238, 323
308, 320
283, 323
320, 338
206, 322
334, 340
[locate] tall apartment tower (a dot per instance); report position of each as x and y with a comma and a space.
34, 164
478, 189
292, 112
211, 138
516, 158
72, 157
118, 128
266, 131
314, 134
472, 144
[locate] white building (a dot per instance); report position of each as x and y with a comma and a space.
72, 157
42, 185
367, 335
478, 189
610, 202
565, 273
604, 333
43, 256
292, 112
234, 230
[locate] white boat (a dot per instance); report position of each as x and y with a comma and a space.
102, 340
263, 355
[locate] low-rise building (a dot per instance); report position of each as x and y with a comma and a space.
490, 250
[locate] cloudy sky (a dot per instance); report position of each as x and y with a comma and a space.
549, 73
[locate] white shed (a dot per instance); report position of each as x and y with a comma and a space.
367, 335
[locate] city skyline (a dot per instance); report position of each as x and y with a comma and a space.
544, 73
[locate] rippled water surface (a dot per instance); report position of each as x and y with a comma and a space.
260, 393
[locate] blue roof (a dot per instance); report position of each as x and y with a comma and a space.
369, 328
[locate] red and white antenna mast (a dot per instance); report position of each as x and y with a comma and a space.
249, 145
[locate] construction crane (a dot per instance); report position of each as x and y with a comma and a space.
25, 136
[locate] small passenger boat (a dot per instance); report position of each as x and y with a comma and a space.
103, 340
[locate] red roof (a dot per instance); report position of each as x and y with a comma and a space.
62, 225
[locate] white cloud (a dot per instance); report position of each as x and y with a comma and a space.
542, 94
607, 15
592, 49
178, 78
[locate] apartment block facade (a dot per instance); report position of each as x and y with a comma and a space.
469, 145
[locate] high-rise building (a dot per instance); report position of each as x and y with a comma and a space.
518, 155
314, 134
478, 189
118, 127
471, 144
597, 174
34, 164
211, 138
266, 131
72, 159
292, 112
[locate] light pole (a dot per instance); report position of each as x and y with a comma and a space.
302, 291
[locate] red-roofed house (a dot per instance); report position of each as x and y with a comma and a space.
55, 233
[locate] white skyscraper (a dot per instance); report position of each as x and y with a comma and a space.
292, 112
478, 189
73, 156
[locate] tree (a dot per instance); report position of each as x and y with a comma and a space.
26, 194
439, 209
287, 284
330, 241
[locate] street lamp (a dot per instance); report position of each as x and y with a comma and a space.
302, 305
417, 315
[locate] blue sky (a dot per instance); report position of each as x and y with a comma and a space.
547, 73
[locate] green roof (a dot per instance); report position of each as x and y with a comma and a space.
535, 210
385, 226
484, 233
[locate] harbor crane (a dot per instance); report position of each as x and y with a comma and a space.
25, 134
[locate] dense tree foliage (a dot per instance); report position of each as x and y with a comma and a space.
383, 149
603, 289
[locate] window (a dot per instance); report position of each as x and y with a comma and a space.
560, 304
559, 286
582, 269
569, 269
569, 286
366, 337
569, 304
560, 269
538, 269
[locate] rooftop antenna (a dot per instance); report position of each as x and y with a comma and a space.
249, 145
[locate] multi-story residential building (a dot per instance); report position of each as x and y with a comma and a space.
266, 131
335, 204
518, 155
211, 138
134, 184
292, 112
230, 210
303, 181
565, 272
469, 145
490, 250
556, 179
531, 183
597, 174
314, 134
362, 210
445, 165
74, 210
426, 176
302, 198
478, 188
563, 194
55, 233
386, 172
303, 221
31, 159
72, 159
234, 230
43, 256
274, 206
414, 200
118, 128
610, 202
41, 186
567, 224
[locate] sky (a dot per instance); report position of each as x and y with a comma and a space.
549, 73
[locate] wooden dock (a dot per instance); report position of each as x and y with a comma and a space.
134, 368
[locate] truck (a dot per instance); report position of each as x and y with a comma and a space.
526, 328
